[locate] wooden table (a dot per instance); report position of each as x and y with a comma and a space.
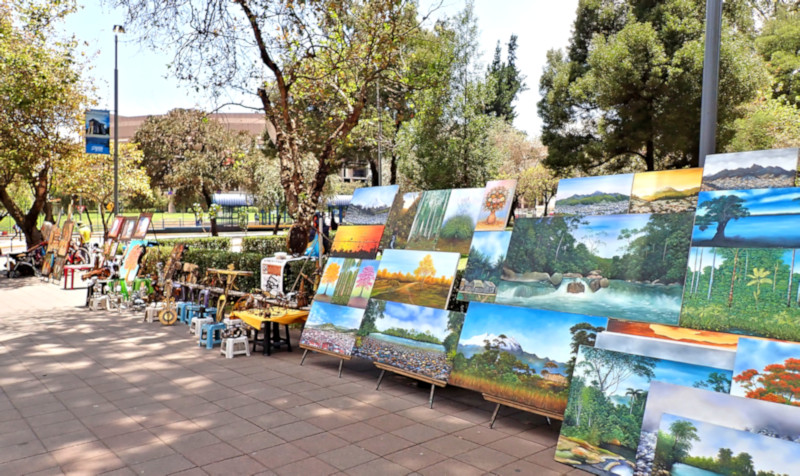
261, 320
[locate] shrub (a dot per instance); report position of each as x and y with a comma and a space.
265, 245
216, 243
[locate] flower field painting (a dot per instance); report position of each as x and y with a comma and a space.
767, 370
496, 205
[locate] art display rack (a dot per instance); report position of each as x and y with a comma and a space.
341, 357
422, 378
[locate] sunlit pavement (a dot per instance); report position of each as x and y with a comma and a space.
96, 392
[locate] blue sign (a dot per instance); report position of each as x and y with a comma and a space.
98, 131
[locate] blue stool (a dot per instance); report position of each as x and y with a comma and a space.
192, 311
181, 308
213, 335
210, 312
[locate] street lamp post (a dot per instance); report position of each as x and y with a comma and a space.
118, 29
708, 108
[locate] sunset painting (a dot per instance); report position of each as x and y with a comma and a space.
357, 241
666, 191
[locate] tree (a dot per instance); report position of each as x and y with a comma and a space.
768, 123
508, 82
758, 277
537, 184
720, 211
608, 369
683, 432
366, 279
425, 268
779, 45
716, 381
41, 105
330, 276
775, 383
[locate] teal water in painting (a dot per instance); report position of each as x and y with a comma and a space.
679, 469
407, 342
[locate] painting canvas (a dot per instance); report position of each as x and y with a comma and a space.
603, 419
765, 418
370, 205
357, 241
365, 279
337, 281
757, 218
744, 170
127, 229
675, 334
53, 238
460, 218
116, 227
743, 291
693, 447
401, 217
605, 195
496, 205
419, 340
66, 239
142, 225
666, 349
767, 370
428, 220
624, 266
130, 263
522, 355
331, 328
666, 191
484, 266
416, 277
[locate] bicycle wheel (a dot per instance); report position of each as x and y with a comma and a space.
167, 317
82, 256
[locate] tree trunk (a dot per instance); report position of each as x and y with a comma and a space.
720, 234
376, 174
103, 220
711, 279
789, 288
733, 277
393, 162
48, 212
28, 221
210, 201
89, 219
649, 156
699, 273
277, 220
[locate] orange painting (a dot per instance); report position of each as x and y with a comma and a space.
666, 191
357, 241
679, 334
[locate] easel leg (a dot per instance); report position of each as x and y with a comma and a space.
430, 400
341, 362
305, 353
380, 379
548, 420
494, 416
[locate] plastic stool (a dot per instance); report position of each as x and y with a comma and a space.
234, 346
210, 312
213, 335
192, 311
196, 326
152, 310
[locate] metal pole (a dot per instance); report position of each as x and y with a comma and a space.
708, 111
380, 133
116, 130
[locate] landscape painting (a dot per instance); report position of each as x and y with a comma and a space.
603, 195
744, 170
345, 282
357, 241
416, 277
419, 340
687, 447
767, 370
624, 266
670, 350
401, 217
460, 218
675, 333
370, 205
666, 191
603, 419
751, 292
367, 272
331, 328
523, 355
330, 275
755, 416
428, 220
484, 266
758, 218
496, 205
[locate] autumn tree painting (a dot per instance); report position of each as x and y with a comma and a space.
328, 281
415, 277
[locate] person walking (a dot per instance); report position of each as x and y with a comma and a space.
17, 232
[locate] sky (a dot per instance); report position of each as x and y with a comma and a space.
760, 201
769, 454
421, 319
757, 354
465, 201
664, 349
646, 183
342, 316
540, 25
493, 244
367, 196
600, 235
622, 183
406, 261
544, 333
408, 198
783, 158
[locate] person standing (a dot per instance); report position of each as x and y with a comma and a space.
17, 232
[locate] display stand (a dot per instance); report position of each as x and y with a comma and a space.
341, 357
433, 382
519, 406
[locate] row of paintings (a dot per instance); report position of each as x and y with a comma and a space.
130, 228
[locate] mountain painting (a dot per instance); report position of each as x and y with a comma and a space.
460, 219
357, 241
748, 218
628, 267
484, 266
523, 355
401, 217
496, 205
428, 220
666, 191
370, 205
767, 370
759, 417
745, 170
365, 279
420, 278
675, 334
603, 420
751, 291
419, 340
331, 328
604, 195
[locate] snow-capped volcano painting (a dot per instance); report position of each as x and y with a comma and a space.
370, 205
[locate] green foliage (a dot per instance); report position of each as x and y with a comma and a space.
215, 243
412, 334
595, 198
508, 82
459, 227
768, 123
265, 245
479, 266
779, 45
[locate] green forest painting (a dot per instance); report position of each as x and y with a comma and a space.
460, 219
401, 218
484, 266
428, 220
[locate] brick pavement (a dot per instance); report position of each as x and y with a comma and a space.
85, 392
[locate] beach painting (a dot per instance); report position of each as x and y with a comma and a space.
670, 350
687, 447
401, 217
759, 417
496, 205
756, 218
603, 420
628, 267
675, 334
523, 355
367, 272
484, 266
370, 205
331, 328
767, 370
666, 191
603, 195
357, 241
750, 292
420, 278
460, 218
428, 220
757, 169
419, 340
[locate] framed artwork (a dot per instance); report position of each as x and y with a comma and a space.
331, 328
128, 228
338, 280
357, 241
66, 239
496, 205
459, 220
370, 205
484, 266
130, 263
53, 238
717, 357
365, 279
745, 170
767, 370
421, 278
401, 217
428, 220
142, 225
116, 227
666, 191
603, 195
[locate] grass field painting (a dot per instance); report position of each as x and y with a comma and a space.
416, 277
603, 195
767, 370
357, 241
365, 279
401, 217
757, 169
428, 220
370, 205
460, 218
666, 191
496, 205
484, 266
331, 328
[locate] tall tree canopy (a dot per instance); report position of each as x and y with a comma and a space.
508, 82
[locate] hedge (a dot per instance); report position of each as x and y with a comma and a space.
265, 245
215, 243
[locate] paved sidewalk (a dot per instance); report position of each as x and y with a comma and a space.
85, 392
